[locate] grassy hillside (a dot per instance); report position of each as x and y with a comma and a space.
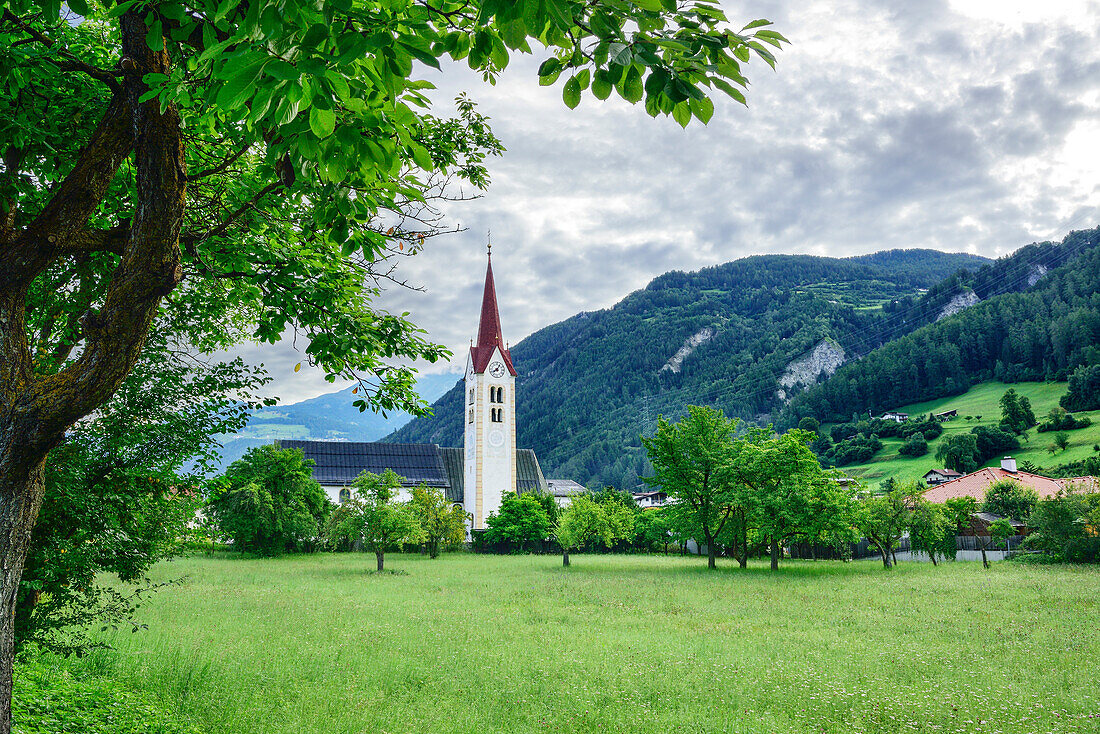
982, 400
631, 644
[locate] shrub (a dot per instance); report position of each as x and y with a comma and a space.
1009, 498
1084, 389
1067, 526
915, 445
1060, 420
854, 450
809, 423
269, 503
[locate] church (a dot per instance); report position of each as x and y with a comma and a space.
476, 476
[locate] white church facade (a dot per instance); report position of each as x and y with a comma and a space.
490, 436
476, 476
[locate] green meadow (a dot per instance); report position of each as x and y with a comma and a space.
982, 400
471, 643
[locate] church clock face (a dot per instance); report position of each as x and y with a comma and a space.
496, 369
496, 438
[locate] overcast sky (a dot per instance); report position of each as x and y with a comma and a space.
963, 126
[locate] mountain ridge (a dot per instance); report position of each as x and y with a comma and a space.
589, 384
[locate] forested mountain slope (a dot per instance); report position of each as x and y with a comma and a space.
589, 385
1043, 333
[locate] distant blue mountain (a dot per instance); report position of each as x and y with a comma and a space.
330, 417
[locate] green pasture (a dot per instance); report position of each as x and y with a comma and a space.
982, 400
613, 644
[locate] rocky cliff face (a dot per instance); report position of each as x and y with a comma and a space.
677, 360
825, 358
1037, 272
958, 303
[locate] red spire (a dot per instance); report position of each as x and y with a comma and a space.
489, 337
488, 330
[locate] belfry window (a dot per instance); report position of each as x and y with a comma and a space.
471, 415
471, 396
496, 394
497, 415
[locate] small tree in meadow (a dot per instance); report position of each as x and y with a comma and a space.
521, 522
692, 461
930, 531
1061, 440
884, 518
586, 520
960, 511
269, 503
374, 516
442, 522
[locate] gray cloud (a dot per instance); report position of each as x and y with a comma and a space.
899, 124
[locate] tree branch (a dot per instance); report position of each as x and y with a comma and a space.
70, 62
63, 220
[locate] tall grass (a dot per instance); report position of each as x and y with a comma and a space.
617, 644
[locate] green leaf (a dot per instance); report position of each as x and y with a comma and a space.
154, 37
571, 93
703, 109
561, 13
240, 86
282, 70
652, 5
80, 7
632, 89
620, 54
549, 66
601, 85
322, 122
682, 113
756, 24
730, 90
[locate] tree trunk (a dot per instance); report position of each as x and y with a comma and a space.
710, 554
981, 547
379, 556
775, 555
894, 555
885, 556
743, 559
565, 556
933, 557
20, 499
433, 549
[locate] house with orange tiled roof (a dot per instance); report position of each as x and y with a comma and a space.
977, 483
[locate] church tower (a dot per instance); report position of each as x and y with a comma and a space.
490, 414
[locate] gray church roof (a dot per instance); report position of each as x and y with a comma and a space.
340, 462
529, 476
454, 463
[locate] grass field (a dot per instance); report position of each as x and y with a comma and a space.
982, 400
615, 644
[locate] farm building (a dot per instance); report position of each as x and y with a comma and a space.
976, 483
646, 500
564, 490
939, 476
